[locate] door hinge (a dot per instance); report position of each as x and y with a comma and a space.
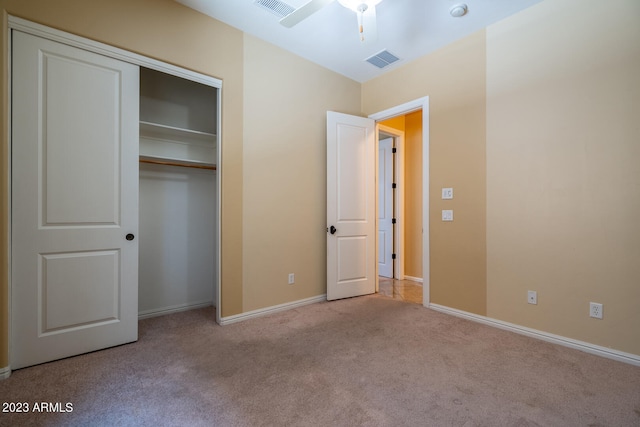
394, 150
393, 256
393, 220
393, 185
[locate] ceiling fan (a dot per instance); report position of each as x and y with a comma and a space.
365, 10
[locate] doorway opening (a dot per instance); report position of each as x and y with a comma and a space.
410, 270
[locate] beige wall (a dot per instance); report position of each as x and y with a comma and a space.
563, 169
285, 103
454, 80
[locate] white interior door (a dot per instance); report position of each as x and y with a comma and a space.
351, 209
74, 201
385, 207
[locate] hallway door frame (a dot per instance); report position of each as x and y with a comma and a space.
400, 110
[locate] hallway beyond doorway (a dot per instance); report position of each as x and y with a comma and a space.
404, 290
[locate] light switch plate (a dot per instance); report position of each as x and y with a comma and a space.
447, 215
447, 193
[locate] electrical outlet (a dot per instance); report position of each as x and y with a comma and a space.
595, 310
447, 215
532, 297
292, 278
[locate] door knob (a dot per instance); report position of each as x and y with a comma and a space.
130, 236
333, 230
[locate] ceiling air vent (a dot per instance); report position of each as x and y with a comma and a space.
276, 7
382, 59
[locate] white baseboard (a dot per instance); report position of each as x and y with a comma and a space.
173, 309
273, 309
413, 279
609, 353
5, 373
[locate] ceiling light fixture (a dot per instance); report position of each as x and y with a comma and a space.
458, 10
360, 7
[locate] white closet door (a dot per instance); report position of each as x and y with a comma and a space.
74, 201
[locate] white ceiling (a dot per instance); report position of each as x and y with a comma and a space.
407, 28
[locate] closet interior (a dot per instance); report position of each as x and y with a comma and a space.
177, 194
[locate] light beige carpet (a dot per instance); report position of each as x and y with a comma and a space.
368, 361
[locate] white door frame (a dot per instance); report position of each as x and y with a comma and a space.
398, 200
15, 23
410, 107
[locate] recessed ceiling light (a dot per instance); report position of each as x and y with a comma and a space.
458, 10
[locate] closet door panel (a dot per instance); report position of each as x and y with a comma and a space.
82, 141
74, 201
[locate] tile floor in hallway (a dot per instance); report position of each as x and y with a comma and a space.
404, 290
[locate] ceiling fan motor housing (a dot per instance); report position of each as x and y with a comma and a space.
358, 5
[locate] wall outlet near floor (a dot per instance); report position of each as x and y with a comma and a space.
292, 278
595, 310
532, 297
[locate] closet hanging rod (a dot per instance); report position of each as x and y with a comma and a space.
181, 164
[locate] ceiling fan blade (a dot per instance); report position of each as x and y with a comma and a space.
369, 26
303, 12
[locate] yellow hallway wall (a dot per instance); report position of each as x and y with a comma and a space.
563, 169
454, 79
168, 31
413, 194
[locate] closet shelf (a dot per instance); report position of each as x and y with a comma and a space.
176, 162
165, 132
